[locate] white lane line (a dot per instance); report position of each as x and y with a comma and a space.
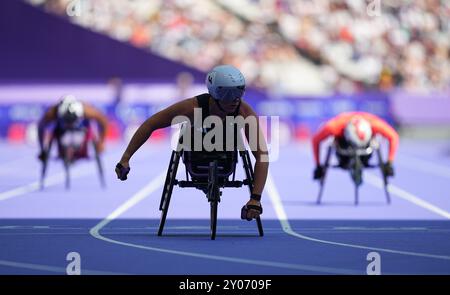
157, 183
302, 267
35, 185
397, 191
364, 228
282, 216
12, 166
424, 166
403, 194
77, 172
49, 268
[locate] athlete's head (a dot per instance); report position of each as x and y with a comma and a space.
70, 110
226, 85
358, 132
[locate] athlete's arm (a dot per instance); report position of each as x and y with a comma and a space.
259, 151
92, 113
159, 120
379, 126
328, 129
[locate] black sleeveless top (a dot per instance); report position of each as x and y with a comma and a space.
60, 127
200, 130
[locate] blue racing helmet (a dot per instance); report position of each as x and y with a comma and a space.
225, 83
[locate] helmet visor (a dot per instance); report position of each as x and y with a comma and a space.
230, 93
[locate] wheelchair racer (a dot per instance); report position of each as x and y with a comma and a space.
355, 130
71, 119
226, 87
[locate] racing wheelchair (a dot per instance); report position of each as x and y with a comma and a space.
72, 145
358, 159
208, 172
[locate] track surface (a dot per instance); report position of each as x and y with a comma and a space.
114, 229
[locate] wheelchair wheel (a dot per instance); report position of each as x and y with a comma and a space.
214, 205
356, 195
167, 181
98, 160
66, 162
249, 173
356, 173
213, 196
168, 188
260, 227
322, 180
45, 164
44, 171
321, 186
385, 179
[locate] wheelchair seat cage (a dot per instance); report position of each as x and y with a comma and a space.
208, 172
67, 153
355, 166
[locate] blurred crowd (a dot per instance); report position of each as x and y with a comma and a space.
355, 45
374, 43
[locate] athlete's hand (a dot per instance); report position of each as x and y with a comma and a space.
43, 155
318, 172
388, 170
122, 170
251, 210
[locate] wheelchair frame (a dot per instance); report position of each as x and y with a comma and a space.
67, 162
356, 167
211, 187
